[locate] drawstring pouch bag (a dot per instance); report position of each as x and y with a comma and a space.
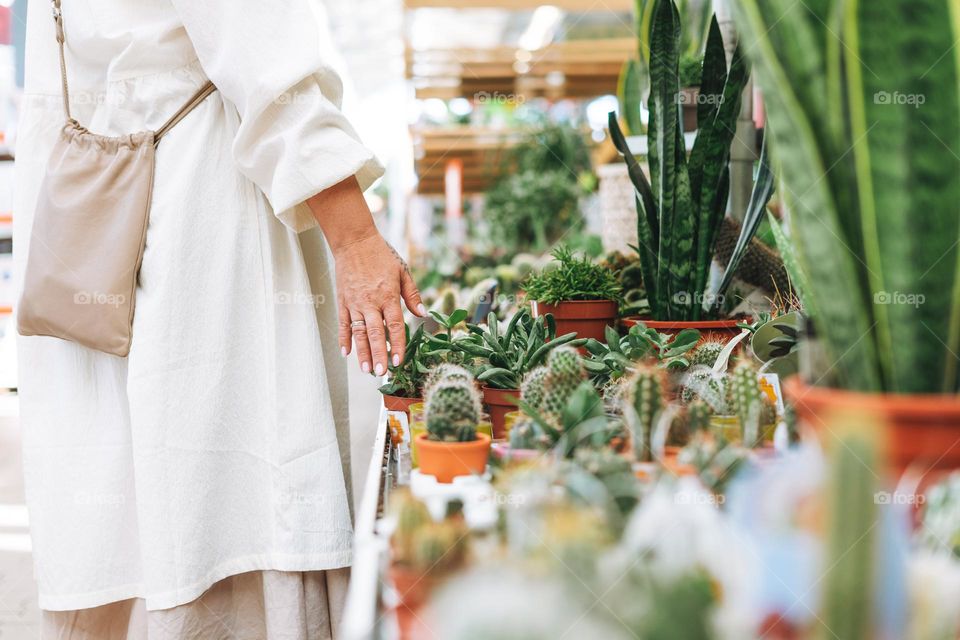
89, 230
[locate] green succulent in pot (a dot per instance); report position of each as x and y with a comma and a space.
863, 106
618, 355
573, 278
682, 206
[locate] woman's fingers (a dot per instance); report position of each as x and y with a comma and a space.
393, 316
345, 336
410, 294
358, 329
377, 337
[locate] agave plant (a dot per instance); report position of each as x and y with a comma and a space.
681, 208
863, 105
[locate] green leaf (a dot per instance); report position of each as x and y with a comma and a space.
456, 318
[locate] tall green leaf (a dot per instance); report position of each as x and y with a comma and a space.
787, 73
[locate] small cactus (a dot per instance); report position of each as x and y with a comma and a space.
698, 416
527, 434
643, 401
703, 383
445, 371
531, 389
452, 409
707, 353
564, 374
750, 403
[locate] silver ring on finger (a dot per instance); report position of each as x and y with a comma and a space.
358, 324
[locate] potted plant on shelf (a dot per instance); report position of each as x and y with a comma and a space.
423, 554
500, 360
451, 446
583, 297
871, 193
405, 384
682, 207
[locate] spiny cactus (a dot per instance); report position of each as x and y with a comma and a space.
707, 353
703, 383
643, 401
445, 371
564, 374
531, 389
750, 403
527, 434
698, 416
852, 535
452, 410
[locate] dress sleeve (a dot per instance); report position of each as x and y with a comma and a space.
265, 58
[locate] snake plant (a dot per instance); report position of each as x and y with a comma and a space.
680, 209
863, 104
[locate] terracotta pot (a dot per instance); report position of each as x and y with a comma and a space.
719, 330
499, 404
922, 429
413, 591
397, 403
447, 460
586, 318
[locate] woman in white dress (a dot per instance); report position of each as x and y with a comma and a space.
199, 487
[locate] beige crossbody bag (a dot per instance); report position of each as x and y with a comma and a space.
89, 230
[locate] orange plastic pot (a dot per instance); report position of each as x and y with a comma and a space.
447, 460
921, 429
397, 403
713, 330
499, 403
586, 318
413, 591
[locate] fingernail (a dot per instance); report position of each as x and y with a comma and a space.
366, 367
396, 359
343, 352
379, 369
421, 310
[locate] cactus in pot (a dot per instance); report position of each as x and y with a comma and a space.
750, 403
451, 446
643, 402
706, 353
564, 374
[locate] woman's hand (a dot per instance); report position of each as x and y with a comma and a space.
371, 278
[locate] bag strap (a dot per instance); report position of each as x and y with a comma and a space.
189, 106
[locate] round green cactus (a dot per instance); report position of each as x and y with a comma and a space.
564, 374
452, 411
707, 353
643, 402
531, 389
446, 372
703, 383
698, 416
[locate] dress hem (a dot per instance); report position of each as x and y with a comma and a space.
183, 595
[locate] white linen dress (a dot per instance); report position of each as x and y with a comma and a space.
220, 445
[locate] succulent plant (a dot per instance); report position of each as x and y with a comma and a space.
528, 434
682, 204
500, 359
445, 371
643, 402
941, 516
452, 409
706, 353
615, 357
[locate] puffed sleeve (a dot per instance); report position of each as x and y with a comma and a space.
265, 58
